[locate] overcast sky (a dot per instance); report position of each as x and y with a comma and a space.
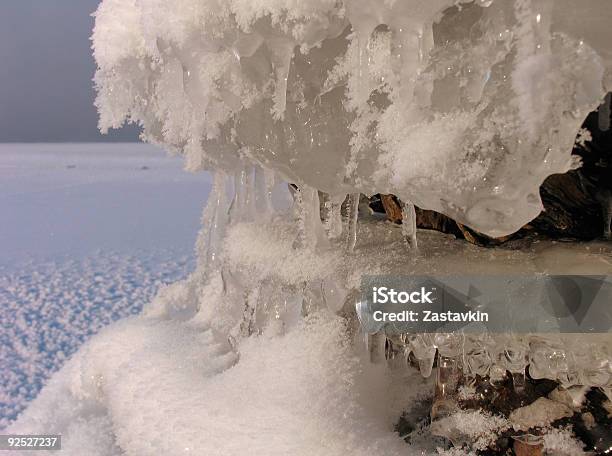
46, 70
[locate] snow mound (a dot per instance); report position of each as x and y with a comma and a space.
49, 309
456, 106
299, 393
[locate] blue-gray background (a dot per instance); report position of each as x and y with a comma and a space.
46, 72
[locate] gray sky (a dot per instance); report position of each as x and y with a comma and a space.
46, 69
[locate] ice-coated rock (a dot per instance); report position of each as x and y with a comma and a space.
461, 107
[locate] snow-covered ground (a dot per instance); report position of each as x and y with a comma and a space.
88, 232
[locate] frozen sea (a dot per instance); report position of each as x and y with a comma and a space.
88, 234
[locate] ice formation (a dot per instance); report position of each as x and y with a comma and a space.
455, 106
460, 107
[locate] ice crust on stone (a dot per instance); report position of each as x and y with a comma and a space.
461, 107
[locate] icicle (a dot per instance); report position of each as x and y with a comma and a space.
533, 28
236, 210
250, 195
244, 205
353, 214
532, 45
409, 225
396, 351
450, 347
242, 302
332, 219
312, 300
263, 184
247, 325
214, 220
604, 113
476, 356
424, 351
311, 233
278, 309
515, 360
264, 309
426, 364
446, 390
363, 39
334, 295
282, 53
376, 346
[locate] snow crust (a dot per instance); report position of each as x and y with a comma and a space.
461, 107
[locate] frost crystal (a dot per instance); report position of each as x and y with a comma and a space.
460, 107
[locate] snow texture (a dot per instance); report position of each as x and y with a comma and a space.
301, 394
563, 443
540, 413
475, 427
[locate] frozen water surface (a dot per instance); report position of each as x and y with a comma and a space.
88, 234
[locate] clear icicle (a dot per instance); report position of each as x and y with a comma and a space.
250, 195
409, 225
515, 360
236, 210
375, 344
270, 181
532, 44
333, 217
244, 207
424, 351
282, 53
263, 185
447, 383
214, 220
396, 351
353, 215
450, 348
426, 363
604, 113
